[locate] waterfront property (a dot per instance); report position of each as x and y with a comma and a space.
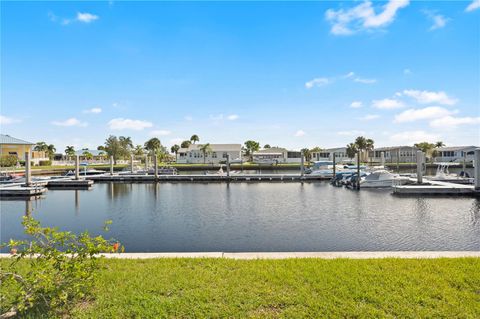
327, 155
455, 154
394, 154
16, 147
217, 154
276, 155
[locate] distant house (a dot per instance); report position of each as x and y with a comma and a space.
327, 155
455, 154
96, 154
13, 146
276, 155
218, 153
394, 154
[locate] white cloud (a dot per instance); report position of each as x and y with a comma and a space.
232, 117
407, 71
317, 82
356, 104
160, 132
427, 97
365, 81
428, 113
128, 124
300, 133
363, 17
438, 20
188, 118
474, 5
94, 110
349, 75
448, 122
351, 133
86, 17
387, 104
369, 117
5, 120
70, 122
412, 137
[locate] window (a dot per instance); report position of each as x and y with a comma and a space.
294, 154
225, 154
214, 155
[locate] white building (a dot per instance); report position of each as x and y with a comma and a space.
394, 154
455, 154
276, 155
327, 155
218, 153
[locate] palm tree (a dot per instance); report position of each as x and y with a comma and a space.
194, 138
185, 144
138, 150
439, 144
153, 145
250, 148
70, 151
205, 149
369, 147
306, 153
351, 150
174, 149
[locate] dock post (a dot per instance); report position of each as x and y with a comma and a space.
476, 163
77, 167
334, 165
419, 167
302, 164
358, 170
28, 169
131, 164
398, 161
228, 165
382, 158
111, 165
146, 164
155, 166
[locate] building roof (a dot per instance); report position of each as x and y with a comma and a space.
271, 150
390, 148
214, 147
7, 139
455, 148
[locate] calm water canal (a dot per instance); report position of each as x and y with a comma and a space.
180, 217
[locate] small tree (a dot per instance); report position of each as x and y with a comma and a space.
185, 144
174, 149
62, 269
250, 148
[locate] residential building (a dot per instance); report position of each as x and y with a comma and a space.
327, 155
455, 153
13, 146
275, 155
394, 154
218, 153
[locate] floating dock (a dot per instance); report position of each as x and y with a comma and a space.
22, 191
69, 183
206, 178
436, 188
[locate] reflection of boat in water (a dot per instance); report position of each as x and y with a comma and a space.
383, 178
443, 175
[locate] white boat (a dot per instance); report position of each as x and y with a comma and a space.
383, 178
443, 175
325, 169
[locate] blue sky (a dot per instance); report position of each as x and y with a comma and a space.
293, 74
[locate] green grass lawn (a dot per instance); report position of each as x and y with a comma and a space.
291, 288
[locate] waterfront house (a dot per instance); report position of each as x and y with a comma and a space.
14, 146
455, 154
218, 154
275, 155
327, 155
394, 154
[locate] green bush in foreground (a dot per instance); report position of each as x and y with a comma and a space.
61, 270
8, 160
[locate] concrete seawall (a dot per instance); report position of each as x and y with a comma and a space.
287, 255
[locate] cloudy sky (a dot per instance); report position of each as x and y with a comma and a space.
289, 74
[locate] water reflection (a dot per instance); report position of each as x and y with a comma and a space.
254, 217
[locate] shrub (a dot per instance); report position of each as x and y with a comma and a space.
45, 163
8, 160
52, 272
